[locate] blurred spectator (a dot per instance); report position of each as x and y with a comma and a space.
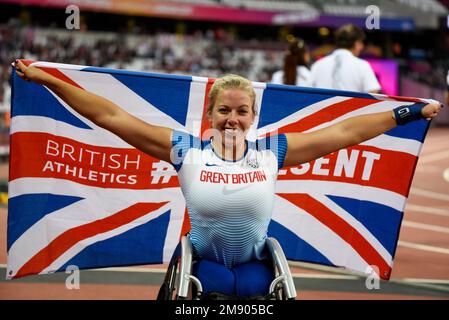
199, 54
296, 65
342, 69
447, 89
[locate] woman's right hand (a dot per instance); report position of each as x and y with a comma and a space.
30, 73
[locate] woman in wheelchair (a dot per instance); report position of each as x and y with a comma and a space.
228, 182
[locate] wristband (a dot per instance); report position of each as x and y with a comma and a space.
407, 114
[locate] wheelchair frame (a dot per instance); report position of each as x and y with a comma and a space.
183, 285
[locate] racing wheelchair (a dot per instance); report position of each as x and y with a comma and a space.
180, 284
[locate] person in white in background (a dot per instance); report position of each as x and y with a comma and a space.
296, 65
343, 69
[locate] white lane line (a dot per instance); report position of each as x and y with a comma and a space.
430, 194
434, 157
423, 247
446, 174
324, 276
132, 269
427, 210
435, 143
432, 147
428, 168
417, 280
434, 284
424, 226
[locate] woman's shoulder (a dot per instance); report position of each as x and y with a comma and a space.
269, 142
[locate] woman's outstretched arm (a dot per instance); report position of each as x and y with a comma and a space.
151, 139
305, 147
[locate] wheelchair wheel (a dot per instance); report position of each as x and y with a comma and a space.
180, 284
177, 284
167, 289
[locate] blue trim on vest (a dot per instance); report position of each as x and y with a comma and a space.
279, 150
181, 143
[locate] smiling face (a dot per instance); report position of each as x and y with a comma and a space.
232, 116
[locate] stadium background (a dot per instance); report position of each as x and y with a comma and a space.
409, 52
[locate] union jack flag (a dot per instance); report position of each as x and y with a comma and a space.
79, 195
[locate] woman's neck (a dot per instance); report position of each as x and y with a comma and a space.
230, 153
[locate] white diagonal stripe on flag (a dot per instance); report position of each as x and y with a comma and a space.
316, 234
343, 189
78, 247
387, 142
377, 107
355, 224
304, 112
109, 87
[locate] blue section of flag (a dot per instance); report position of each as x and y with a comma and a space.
26, 210
294, 247
280, 101
168, 94
374, 216
140, 245
36, 100
415, 130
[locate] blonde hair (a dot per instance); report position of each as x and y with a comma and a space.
231, 81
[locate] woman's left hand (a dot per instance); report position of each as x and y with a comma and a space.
430, 110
